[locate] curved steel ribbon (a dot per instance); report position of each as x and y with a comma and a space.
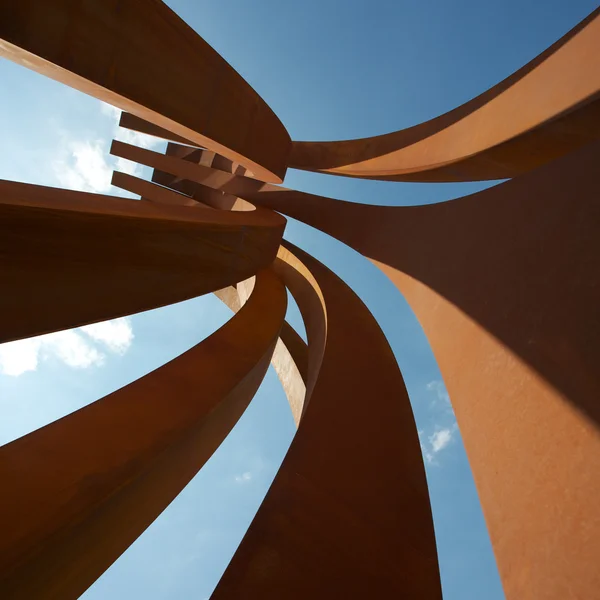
508, 130
105, 472
141, 57
348, 514
506, 284
289, 357
289, 362
72, 258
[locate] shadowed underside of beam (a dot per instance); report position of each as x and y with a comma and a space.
79, 491
546, 109
141, 57
348, 514
71, 258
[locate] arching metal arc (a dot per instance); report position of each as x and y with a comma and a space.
546, 109
210, 159
532, 247
347, 515
72, 258
78, 492
140, 56
506, 284
386, 236
290, 355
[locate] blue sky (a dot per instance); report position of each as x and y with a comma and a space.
331, 70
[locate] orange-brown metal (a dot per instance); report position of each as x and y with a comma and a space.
289, 363
347, 515
70, 258
141, 57
546, 109
79, 491
506, 284
289, 357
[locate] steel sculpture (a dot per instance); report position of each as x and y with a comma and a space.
506, 283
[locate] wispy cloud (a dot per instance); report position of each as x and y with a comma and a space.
443, 432
87, 166
440, 439
438, 389
427, 454
128, 136
244, 477
76, 348
110, 111
82, 165
116, 334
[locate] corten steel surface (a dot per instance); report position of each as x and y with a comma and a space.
353, 472
289, 363
290, 359
71, 258
544, 110
519, 348
140, 56
78, 492
496, 224
505, 282
290, 355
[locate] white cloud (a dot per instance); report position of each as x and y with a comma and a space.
110, 111
439, 389
440, 439
442, 433
87, 166
244, 477
82, 165
72, 347
116, 334
19, 357
136, 138
427, 454
128, 136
